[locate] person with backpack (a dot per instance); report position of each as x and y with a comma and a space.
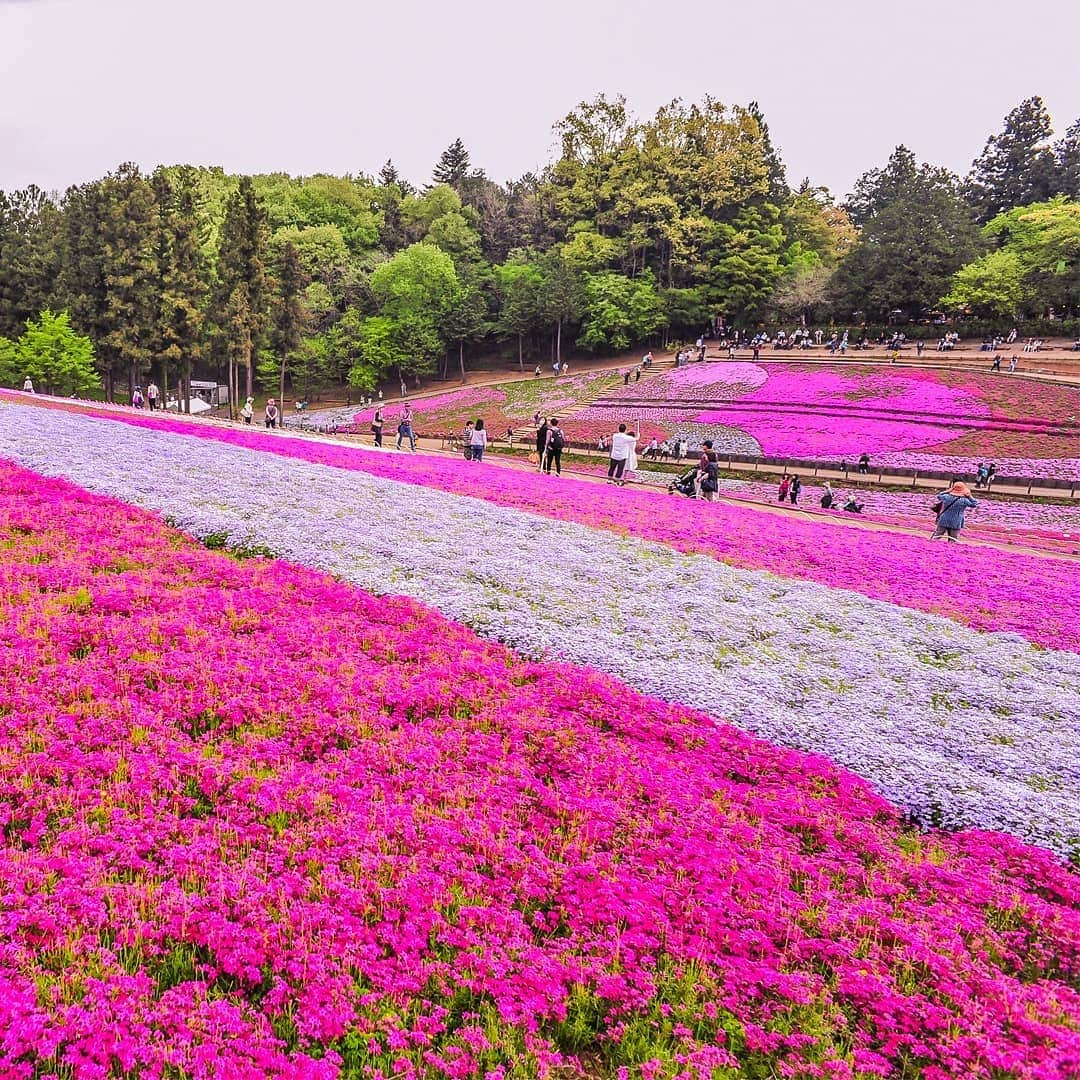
556, 440
271, 414
950, 508
621, 445
377, 426
708, 474
478, 441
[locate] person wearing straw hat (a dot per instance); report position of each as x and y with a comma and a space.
954, 504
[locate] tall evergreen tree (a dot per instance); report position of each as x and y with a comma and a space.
1067, 160
916, 232
241, 294
109, 272
181, 280
288, 314
29, 233
452, 166
1016, 166
778, 185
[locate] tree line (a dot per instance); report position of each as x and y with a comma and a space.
640, 229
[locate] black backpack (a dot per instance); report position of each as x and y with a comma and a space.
558, 441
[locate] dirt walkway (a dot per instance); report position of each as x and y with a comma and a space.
436, 449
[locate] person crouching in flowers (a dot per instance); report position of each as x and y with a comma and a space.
953, 504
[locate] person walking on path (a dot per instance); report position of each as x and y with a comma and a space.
793, 491
1012, 364
466, 440
137, 398
553, 452
271, 414
785, 487
621, 445
28, 385
996, 365
377, 426
404, 390
247, 413
541, 440
404, 428
864, 463
991, 472
152, 395
478, 441
954, 504
536, 372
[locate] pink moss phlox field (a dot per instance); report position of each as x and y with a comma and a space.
1027, 594
257, 823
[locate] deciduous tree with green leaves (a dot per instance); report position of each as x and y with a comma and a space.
58, 359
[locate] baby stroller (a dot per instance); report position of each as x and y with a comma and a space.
684, 484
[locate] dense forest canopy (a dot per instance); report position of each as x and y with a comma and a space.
642, 229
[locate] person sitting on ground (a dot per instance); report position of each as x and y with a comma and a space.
853, 507
951, 507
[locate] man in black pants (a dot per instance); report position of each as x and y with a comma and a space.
555, 443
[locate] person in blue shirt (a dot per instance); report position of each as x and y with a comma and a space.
954, 503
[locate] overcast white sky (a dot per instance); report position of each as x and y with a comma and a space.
323, 86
